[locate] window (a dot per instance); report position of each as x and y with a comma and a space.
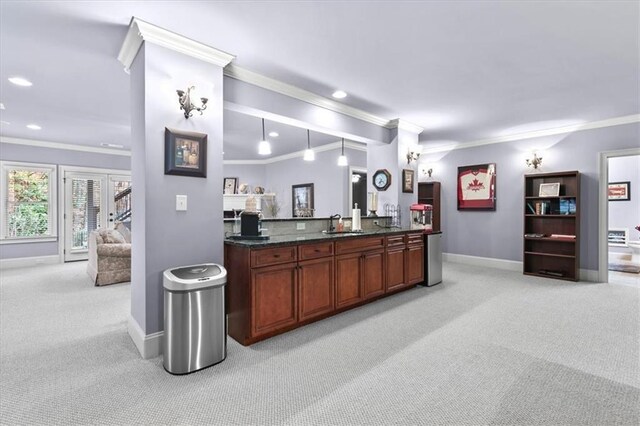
28, 202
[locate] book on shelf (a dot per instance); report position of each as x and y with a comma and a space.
563, 236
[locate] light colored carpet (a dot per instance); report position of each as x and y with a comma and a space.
484, 347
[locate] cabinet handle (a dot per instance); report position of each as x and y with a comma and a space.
317, 250
276, 255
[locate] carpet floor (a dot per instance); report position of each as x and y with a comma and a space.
485, 347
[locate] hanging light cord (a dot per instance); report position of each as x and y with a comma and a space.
342, 146
263, 137
308, 140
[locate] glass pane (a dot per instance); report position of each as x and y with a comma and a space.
122, 200
85, 218
27, 203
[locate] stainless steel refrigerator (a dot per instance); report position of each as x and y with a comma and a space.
432, 258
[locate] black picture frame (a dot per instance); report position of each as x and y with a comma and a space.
484, 179
302, 200
180, 143
230, 184
408, 178
619, 191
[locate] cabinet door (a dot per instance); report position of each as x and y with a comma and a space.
415, 264
315, 283
372, 274
395, 268
348, 277
273, 298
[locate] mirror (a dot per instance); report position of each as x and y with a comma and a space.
284, 170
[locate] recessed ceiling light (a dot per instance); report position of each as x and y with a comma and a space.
2, 106
274, 134
19, 81
339, 94
33, 127
112, 145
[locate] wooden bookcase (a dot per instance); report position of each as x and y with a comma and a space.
429, 193
548, 255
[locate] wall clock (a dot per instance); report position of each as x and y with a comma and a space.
382, 179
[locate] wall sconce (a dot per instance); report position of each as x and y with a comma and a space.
536, 162
412, 156
427, 170
187, 106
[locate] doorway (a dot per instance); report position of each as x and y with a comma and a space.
357, 190
615, 234
92, 200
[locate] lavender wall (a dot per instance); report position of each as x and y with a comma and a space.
252, 174
626, 214
499, 234
171, 238
34, 154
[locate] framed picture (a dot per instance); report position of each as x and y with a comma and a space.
618, 237
549, 189
302, 200
619, 191
407, 180
477, 187
185, 153
230, 185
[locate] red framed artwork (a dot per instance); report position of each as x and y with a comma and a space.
477, 187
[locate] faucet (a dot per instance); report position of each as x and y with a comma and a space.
335, 216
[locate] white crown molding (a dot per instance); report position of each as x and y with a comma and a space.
140, 31
286, 89
317, 149
405, 125
66, 146
610, 122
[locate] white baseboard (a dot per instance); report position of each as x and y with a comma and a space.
489, 262
507, 265
23, 262
149, 345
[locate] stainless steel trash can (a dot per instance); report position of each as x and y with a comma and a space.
195, 321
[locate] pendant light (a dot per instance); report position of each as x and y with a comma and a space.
309, 155
264, 147
342, 160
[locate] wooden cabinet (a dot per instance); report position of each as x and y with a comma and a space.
552, 225
278, 288
429, 193
274, 298
315, 288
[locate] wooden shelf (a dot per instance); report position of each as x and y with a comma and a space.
534, 253
548, 253
429, 193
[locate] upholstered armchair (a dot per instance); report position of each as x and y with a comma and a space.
109, 256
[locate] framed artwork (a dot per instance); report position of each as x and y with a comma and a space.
230, 185
407, 180
477, 187
185, 153
549, 189
618, 237
619, 191
302, 200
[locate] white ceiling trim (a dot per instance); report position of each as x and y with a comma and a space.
610, 122
286, 89
405, 125
66, 146
140, 31
321, 148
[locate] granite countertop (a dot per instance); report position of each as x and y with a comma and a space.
283, 240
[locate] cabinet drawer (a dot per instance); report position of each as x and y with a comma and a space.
359, 244
415, 239
273, 256
314, 251
395, 241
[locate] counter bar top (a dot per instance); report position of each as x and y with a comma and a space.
292, 239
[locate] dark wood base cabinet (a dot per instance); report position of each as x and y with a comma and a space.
276, 289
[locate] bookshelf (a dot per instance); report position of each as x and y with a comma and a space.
552, 226
429, 193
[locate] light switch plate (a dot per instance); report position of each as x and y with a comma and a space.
301, 226
181, 203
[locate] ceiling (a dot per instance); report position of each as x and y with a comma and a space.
464, 70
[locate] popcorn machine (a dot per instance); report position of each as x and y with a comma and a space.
421, 217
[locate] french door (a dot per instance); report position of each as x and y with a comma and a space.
92, 201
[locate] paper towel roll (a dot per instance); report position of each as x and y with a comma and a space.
355, 219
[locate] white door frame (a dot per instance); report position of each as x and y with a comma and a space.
62, 171
350, 184
603, 208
